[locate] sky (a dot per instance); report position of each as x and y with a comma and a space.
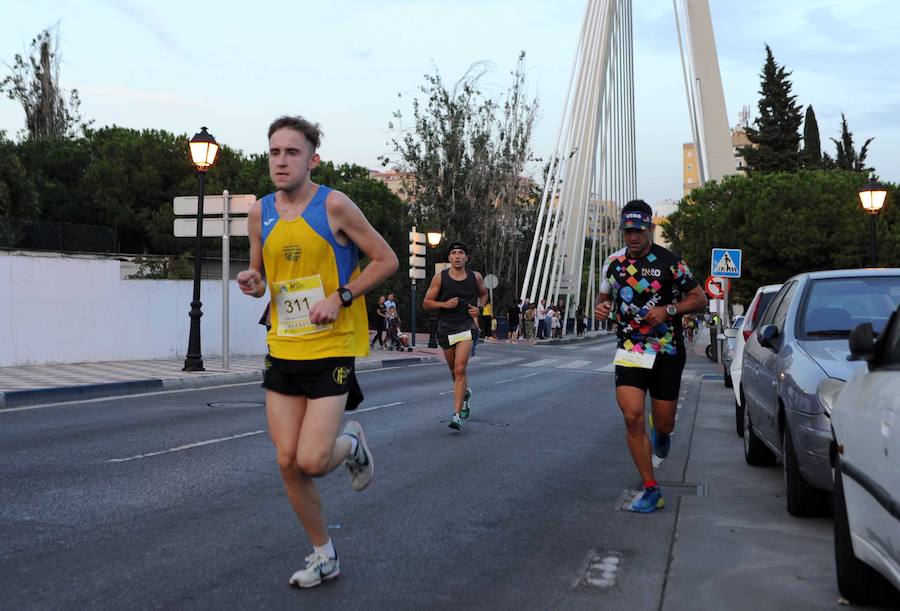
350, 64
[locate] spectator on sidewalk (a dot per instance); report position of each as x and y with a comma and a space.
580, 320
487, 313
512, 315
379, 314
541, 318
528, 321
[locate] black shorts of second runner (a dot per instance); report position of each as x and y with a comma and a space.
663, 381
314, 379
443, 339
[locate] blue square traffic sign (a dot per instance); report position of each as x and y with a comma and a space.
726, 262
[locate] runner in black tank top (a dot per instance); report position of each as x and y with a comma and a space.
458, 295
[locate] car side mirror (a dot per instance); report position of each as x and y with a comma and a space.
767, 336
862, 343
731, 333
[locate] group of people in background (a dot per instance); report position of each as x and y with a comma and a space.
387, 325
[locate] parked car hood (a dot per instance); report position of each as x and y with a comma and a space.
831, 355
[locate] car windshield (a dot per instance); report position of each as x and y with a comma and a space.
835, 305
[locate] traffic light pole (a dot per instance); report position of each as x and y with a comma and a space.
412, 308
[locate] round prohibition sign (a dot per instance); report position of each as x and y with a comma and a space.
716, 287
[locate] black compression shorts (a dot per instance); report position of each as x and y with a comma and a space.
663, 381
314, 379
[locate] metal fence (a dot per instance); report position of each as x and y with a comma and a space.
49, 235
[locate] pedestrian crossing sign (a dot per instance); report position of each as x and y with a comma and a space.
726, 262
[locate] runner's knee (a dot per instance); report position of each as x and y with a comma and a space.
634, 419
287, 463
313, 464
459, 370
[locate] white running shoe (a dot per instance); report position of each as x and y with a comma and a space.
360, 464
319, 568
464, 412
455, 422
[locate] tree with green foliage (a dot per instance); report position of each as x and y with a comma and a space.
18, 193
811, 156
776, 137
846, 157
34, 83
786, 223
468, 152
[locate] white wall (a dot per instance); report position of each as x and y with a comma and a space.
58, 309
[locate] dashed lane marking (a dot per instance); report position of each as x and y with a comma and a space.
518, 378
186, 447
509, 361
539, 363
573, 365
374, 407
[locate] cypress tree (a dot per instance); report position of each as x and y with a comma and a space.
812, 144
776, 137
847, 158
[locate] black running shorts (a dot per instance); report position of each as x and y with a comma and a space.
663, 381
314, 379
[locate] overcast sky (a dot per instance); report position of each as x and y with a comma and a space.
234, 66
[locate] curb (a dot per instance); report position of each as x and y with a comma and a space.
63, 394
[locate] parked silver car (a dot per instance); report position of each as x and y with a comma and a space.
800, 342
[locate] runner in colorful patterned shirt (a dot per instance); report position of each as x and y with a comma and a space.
647, 288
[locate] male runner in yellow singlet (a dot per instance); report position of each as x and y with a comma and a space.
305, 243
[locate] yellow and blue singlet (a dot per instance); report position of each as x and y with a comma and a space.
305, 247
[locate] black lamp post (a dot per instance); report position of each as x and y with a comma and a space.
872, 196
434, 240
203, 154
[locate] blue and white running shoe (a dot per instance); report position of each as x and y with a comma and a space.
648, 502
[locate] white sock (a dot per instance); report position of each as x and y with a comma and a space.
354, 443
326, 550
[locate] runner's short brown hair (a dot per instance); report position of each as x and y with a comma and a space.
310, 130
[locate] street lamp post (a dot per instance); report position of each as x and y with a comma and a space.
434, 240
204, 150
872, 196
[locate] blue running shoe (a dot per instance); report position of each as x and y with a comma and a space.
661, 443
648, 502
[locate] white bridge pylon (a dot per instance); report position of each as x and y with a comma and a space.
592, 172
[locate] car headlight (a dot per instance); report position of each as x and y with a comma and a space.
827, 391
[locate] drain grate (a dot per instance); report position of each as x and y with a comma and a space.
684, 489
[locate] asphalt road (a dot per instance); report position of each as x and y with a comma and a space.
173, 500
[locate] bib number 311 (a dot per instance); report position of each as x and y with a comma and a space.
293, 299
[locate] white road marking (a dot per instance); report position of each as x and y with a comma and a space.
118, 397
509, 361
611, 368
186, 447
573, 365
373, 408
446, 392
600, 348
519, 378
539, 363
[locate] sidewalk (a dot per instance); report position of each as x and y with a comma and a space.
37, 384
735, 546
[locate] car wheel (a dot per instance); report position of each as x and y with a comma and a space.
756, 453
709, 353
728, 381
739, 417
802, 499
857, 581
